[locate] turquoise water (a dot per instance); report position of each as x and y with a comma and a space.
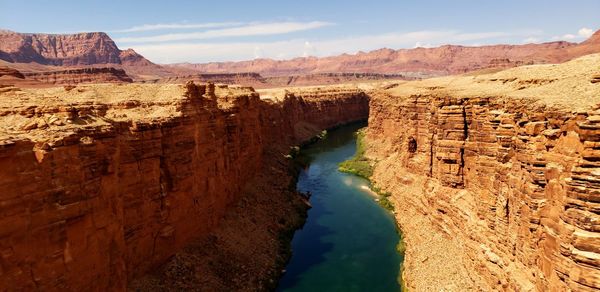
348, 242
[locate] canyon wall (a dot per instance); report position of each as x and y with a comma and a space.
495, 177
102, 183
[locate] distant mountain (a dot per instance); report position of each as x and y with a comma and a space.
66, 54
444, 60
73, 50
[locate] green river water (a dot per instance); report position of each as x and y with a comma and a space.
348, 242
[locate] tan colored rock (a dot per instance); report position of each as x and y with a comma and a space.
30, 126
41, 123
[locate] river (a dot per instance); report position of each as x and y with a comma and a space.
348, 242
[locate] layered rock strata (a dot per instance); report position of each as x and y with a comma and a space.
9, 76
495, 177
259, 82
80, 75
73, 50
104, 183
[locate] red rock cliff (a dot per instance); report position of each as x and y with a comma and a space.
103, 183
81, 49
495, 177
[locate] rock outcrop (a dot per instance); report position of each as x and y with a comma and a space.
9, 76
82, 75
444, 60
495, 177
103, 183
59, 50
68, 50
8, 72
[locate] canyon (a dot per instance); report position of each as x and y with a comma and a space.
157, 180
493, 177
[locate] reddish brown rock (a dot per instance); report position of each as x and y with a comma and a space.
7, 72
72, 50
501, 192
77, 76
67, 76
134, 173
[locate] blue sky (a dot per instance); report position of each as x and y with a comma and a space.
202, 31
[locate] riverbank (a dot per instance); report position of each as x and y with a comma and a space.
427, 248
250, 248
361, 166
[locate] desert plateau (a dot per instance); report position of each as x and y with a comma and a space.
309, 146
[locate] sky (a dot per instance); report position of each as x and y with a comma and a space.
219, 30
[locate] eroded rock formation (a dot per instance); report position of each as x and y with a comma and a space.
68, 50
103, 183
495, 177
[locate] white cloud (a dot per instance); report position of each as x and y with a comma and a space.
253, 29
421, 45
531, 40
582, 33
236, 51
585, 32
309, 49
258, 53
165, 26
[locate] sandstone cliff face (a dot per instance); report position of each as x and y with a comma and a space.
501, 175
63, 50
103, 183
81, 49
